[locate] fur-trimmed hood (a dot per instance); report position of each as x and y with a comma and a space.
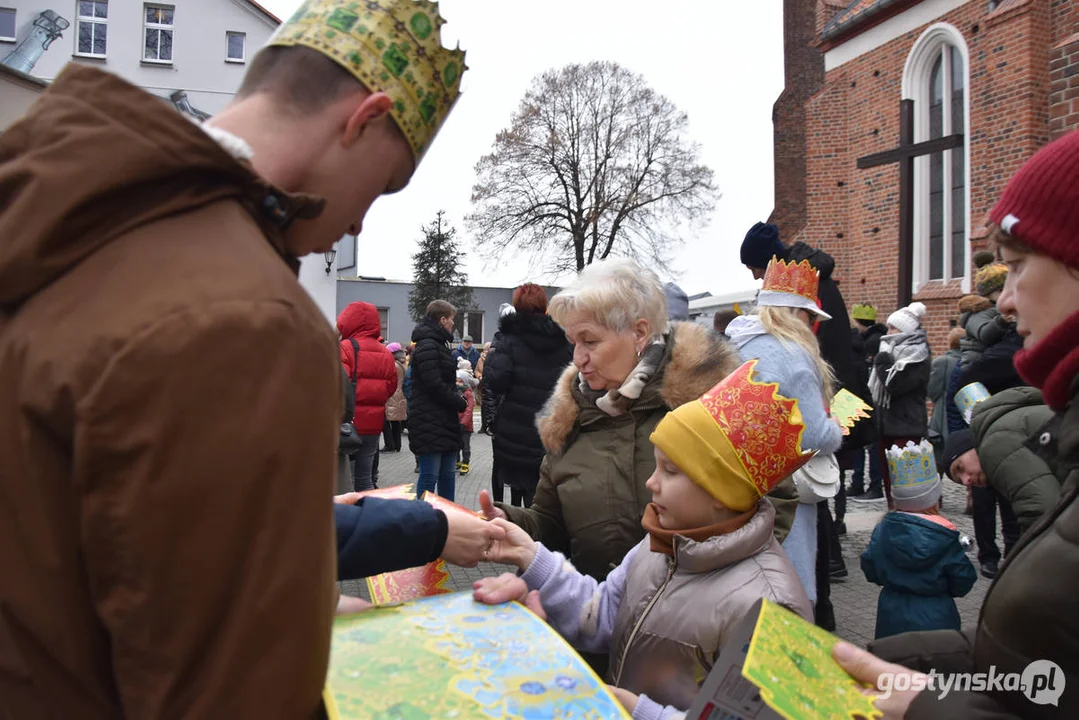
974, 303
695, 360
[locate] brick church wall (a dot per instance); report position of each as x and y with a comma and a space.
1064, 68
854, 214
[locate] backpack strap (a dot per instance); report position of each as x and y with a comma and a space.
355, 359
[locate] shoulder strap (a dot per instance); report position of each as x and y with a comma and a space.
355, 358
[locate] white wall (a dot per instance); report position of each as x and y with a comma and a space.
198, 45
16, 96
321, 287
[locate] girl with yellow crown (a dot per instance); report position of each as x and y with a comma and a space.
779, 335
666, 611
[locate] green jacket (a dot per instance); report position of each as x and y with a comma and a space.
1027, 615
591, 494
1008, 431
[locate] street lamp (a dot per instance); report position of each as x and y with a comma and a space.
329, 256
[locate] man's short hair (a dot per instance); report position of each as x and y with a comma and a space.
722, 319
299, 78
438, 309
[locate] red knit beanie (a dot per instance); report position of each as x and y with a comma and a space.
1040, 205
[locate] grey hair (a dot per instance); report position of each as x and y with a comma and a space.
616, 293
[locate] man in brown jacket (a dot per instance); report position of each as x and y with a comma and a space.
169, 395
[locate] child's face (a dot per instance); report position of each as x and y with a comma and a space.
681, 503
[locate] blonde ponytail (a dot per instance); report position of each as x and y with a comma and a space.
785, 325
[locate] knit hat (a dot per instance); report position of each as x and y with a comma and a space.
506, 309
760, 244
738, 441
463, 376
464, 364
915, 482
864, 312
677, 302
907, 319
1040, 205
990, 279
983, 258
394, 347
958, 443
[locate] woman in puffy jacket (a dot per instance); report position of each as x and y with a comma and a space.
371, 366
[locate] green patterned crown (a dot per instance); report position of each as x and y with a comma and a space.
391, 46
864, 312
911, 465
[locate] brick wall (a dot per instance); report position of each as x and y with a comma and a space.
853, 213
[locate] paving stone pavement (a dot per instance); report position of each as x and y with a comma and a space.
854, 598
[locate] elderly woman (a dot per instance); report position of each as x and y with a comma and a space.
629, 370
1029, 613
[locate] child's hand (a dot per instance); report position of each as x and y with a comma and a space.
625, 697
504, 588
516, 549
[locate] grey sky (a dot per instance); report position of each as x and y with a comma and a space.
719, 61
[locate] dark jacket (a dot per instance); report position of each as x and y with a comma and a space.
921, 567
473, 355
871, 340
378, 535
940, 375
864, 432
832, 335
435, 403
1028, 614
995, 367
373, 367
953, 418
906, 414
170, 403
530, 357
1014, 433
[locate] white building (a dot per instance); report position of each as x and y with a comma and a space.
702, 309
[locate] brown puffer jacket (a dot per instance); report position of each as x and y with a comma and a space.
397, 406
1028, 614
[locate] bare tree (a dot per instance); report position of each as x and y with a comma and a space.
594, 163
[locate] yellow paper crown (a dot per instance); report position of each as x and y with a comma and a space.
800, 279
864, 312
391, 46
737, 441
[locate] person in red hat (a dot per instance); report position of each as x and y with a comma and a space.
1028, 625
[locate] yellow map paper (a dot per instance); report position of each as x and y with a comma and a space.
848, 409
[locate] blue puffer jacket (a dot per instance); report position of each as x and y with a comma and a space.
921, 567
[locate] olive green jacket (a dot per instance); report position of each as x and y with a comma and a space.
591, 494
1013, 432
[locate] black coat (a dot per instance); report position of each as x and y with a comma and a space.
906, 414
871, 341
523, 367
433, 426
995, 366
864, 431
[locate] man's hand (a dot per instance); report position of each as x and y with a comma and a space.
515, 548
866, 667
488, 508
625, 697
470, 539
347, 605
347, 499
505, 588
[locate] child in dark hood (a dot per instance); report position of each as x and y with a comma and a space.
915, 554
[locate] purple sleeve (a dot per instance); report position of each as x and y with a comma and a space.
649, 709
579, 608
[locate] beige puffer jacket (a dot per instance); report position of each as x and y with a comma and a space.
397, 406
677, 611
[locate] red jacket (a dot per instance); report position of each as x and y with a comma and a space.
465, 416
376, 374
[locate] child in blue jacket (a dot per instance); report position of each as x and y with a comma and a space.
916, 558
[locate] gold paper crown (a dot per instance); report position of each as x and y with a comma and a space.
391, 46
864, 312
912, 464
800, 279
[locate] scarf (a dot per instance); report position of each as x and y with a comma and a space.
1052, 364
662, 540
617, 402
909, 348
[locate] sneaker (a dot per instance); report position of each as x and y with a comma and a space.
837, 568
458, 467
463, 469
874, 494
840, 528
989, 569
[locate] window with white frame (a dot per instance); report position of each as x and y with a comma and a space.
157, 32
91, 37
936, 79
7, 24
235, 47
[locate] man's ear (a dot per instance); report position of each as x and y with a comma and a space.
371, 108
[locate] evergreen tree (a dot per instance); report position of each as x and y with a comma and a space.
437, 271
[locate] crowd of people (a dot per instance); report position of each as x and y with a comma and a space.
168, 514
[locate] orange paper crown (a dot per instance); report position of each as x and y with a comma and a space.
764, 428
800, 279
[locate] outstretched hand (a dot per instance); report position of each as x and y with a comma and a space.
487, 507
865, 667
506, 588
514, 548
470, 539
